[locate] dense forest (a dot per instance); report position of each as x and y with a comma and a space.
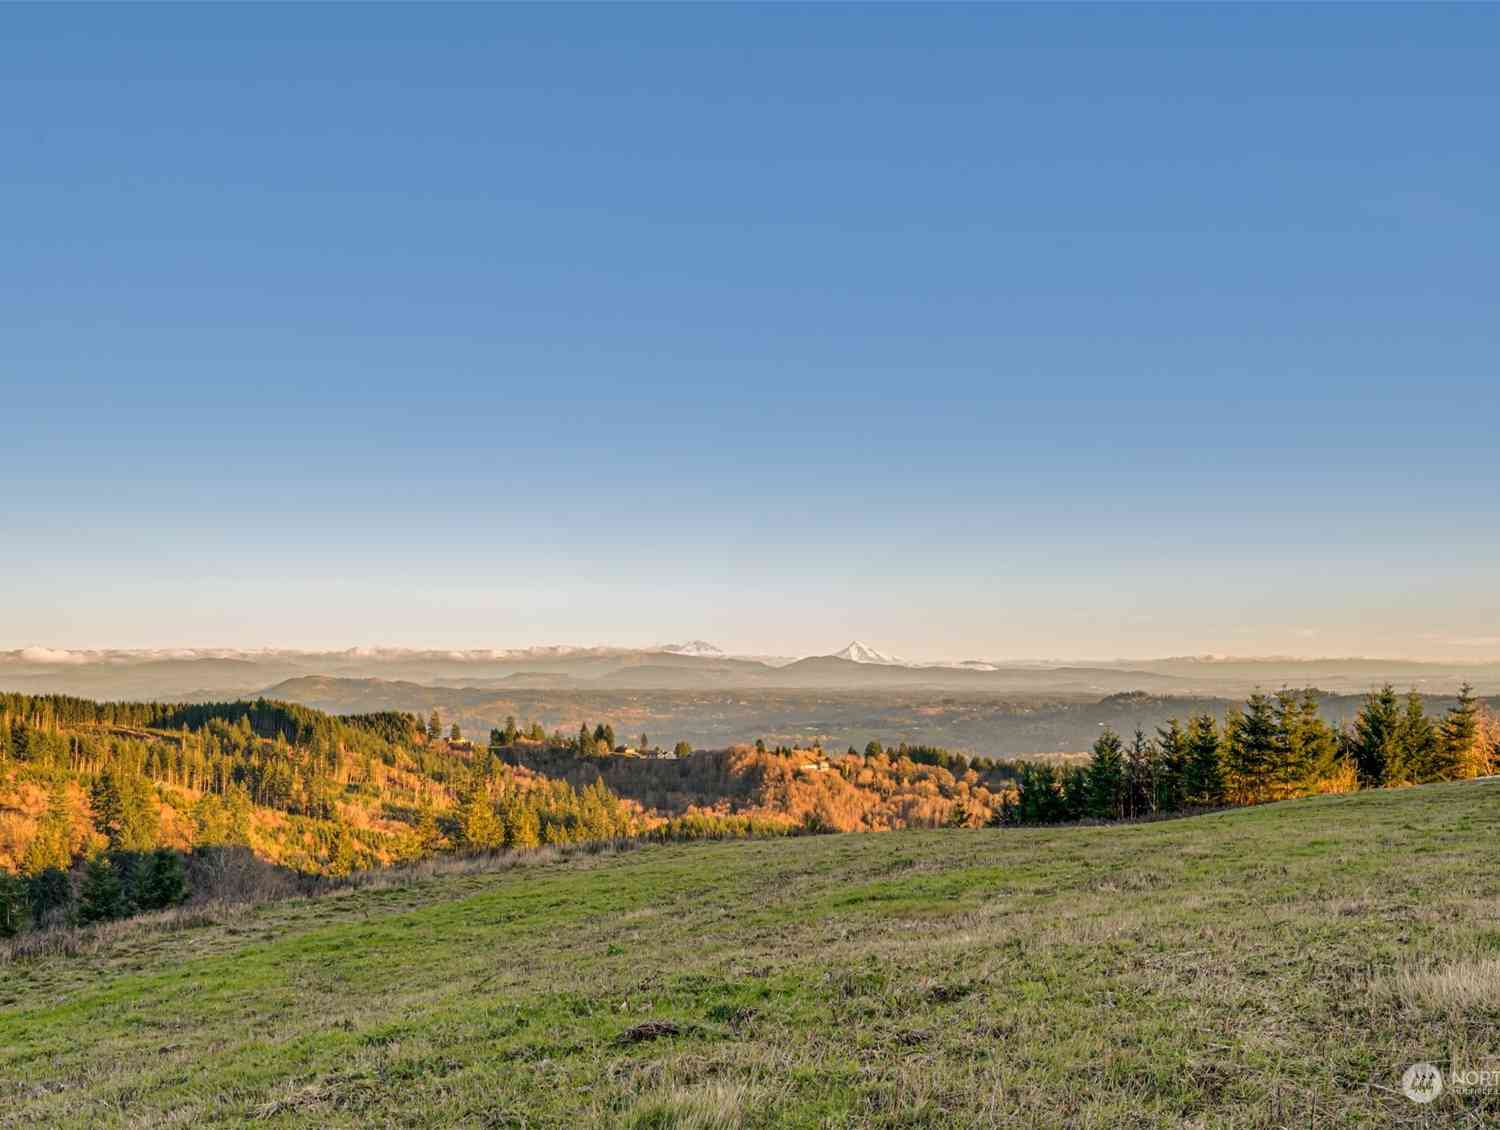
1274, 747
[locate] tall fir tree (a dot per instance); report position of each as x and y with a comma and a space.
1376, 731
1171, 766
1252, 749
1203, 774
1458, 752
1140, 776
14, 911
101, 897
1106, 777
1415, 751
479, 828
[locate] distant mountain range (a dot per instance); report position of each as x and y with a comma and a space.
199, 673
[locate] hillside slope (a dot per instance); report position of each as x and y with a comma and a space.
1276, 966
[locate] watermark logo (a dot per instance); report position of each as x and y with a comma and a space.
1422, 1082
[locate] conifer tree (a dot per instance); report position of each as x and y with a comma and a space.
165, 881
51, 848
1376, 731
1457, 739
1203, 777
49, 892
522, 828
1171, 767
1075, 792
343, 857
1415, 756
102, 895
13, 904
1107, 777
1140, 776
1306, 748
430, 838
1321, 756
1252, 747
479, 829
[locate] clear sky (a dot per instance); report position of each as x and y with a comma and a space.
971, 332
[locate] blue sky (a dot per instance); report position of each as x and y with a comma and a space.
979, 331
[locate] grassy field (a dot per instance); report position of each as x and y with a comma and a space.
1277, 966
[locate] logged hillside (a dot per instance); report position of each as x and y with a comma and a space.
1278, 966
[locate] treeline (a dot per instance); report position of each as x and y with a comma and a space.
1274, 747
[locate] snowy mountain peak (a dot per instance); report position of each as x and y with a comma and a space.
701, 648
858, 652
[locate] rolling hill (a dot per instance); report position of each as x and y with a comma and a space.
1269, 967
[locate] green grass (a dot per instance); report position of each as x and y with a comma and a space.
1277, 966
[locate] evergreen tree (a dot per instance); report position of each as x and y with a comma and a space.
1457, 738
430, 838
1415, 749
1203, 777
434, 726
1075, 792
1171, 774
1252, 749
586, 742
522, 827
1306, 748
101, 898
343, 858
455, 734
1321, 754
510, 733
1140, 776
49, 892
1376, 732
165, 881
14, 910
1107, 777
51, 848
479, 830
682, 749
125, 811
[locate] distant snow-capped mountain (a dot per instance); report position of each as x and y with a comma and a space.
701, 648
858, 652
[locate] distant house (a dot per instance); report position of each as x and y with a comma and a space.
460, 745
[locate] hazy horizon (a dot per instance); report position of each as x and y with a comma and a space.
971, 332
40, 653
